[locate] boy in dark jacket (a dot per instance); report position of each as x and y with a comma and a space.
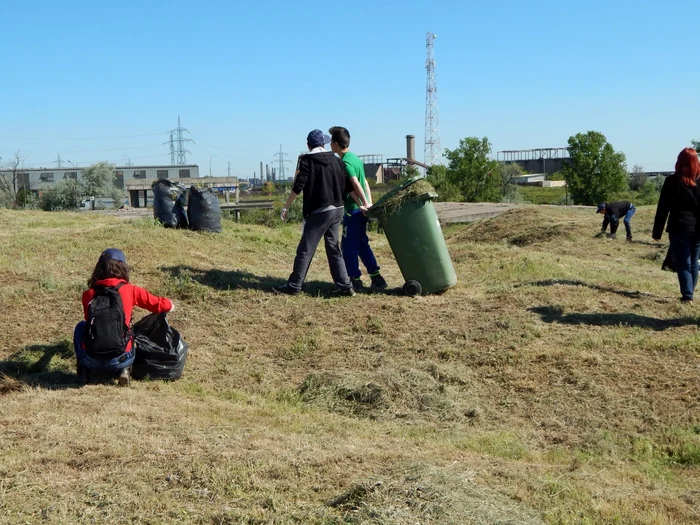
323, 181
613, 212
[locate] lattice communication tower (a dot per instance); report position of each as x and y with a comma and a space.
432, 124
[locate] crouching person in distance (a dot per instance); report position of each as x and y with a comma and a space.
104, 340
612, 213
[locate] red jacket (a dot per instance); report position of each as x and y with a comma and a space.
131, 295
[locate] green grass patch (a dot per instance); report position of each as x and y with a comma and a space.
539, 195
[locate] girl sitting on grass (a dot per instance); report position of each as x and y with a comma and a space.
104, 341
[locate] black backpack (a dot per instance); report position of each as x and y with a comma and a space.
106, 333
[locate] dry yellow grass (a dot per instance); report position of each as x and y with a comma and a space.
557, 382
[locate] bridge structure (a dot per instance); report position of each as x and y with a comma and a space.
538, 160
659, 173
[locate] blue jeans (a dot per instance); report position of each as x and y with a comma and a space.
111, 365
626, 220
685, 247
356, 245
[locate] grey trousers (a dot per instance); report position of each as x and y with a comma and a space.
327, 225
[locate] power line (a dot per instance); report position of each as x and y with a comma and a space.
111, 149
172, 149
199, 142
127, 163
85, 138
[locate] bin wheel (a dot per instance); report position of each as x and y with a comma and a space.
412, 288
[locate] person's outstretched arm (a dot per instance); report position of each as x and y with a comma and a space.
662, 211
154, 304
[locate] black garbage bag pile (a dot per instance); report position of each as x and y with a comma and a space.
180, 211
176, 207
203, 211
160, 351
165, 195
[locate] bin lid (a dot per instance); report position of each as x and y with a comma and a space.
394, 191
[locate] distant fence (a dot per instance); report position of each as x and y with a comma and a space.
544, 183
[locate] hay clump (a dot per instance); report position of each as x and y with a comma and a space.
423, 494
388, 394
348, 395
9, 384
526, 226
394, 203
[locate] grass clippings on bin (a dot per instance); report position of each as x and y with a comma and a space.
394, 203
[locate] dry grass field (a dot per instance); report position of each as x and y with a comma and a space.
557, 382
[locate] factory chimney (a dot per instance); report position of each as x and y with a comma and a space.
411, 147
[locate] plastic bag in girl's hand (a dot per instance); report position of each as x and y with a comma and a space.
203, 211
165, 194
160, 351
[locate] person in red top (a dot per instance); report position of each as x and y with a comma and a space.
111, 271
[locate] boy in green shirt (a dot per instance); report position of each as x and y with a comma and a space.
355, 243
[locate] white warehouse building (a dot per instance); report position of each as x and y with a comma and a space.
38, 179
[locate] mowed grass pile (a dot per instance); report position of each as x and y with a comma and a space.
557, 382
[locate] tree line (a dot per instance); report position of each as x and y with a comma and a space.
97, 181
594, 173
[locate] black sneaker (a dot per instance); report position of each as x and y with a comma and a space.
629, 239
357, 285
285, 289
378, 283
343, 292
612, 236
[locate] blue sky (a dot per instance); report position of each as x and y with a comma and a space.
106, 81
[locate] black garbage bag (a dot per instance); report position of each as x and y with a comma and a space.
165, 194
160, 351
180, 212
669, 264
203, 211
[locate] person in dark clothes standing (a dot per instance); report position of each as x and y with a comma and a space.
678, 203
613, 212
322, 179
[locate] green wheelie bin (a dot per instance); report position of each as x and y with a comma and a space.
412, 228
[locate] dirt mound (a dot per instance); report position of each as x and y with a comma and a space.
526, 226
387, 394
428, 495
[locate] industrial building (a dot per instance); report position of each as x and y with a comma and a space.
392, 169
38, 179
540, 160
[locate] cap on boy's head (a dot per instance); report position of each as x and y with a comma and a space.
601, 207
114, 254
317, 139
